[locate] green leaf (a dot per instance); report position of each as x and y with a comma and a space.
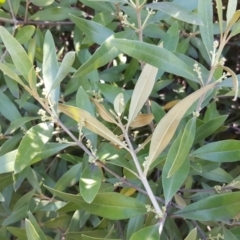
7, 162
63, 69
16, 216
228, 234
220, 15
50, 149
177, 12
94, 31
90, 182
153, 55
192, 235
20, 233
25, 33
109, 205
50, 68
142, 90
7, 108
166, 128
69, 178
150, 233
104, 54
17, 52
209, 128
221, 151
19, 122
42, 3
10, 73
205, 12
30, 230
180, 148
215, 208
172, 184
231, 9
54, 14
32, 143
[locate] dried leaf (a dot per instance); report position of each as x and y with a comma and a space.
142, 120
90, 123
170, 104
103, 112
142, 91
235, 80
169, 123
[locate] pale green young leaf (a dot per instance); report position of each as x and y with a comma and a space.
32, 143
119, 104
205, 12
50, 67
180, 148
90, 123
109, 205
90, 182
233, 20
235, 29
221, 207
93, 30
150, 232
7, 162
17, 53
192, 235
31, 231
63, 69
141, 91
36, 227
166, 128
231, 9
25, 33
220, 15
177, 12
172, 184
154, 55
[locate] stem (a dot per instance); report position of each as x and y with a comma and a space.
140, 173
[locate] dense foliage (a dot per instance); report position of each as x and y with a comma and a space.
119, 120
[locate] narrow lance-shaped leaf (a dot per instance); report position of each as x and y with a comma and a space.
231, 8
235, 80
220, 207
30, 230
90, 123
177, 12
234, 19
205, 11
93, 30
220, 15
182, 148
32, 143
109, 205
64, 69
154, 55
119, 104
50, 68
17, 52
192, 235
142, 90
142, 120
104, 54
166, 128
